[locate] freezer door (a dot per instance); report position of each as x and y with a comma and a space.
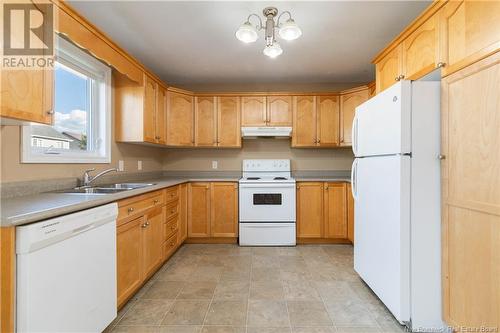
382, 125
381, 188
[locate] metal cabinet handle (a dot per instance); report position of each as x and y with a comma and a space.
51, 112
318, 141
144, 225
130, 210
397, 78
155, 201
441, 64
442, 157
172, 211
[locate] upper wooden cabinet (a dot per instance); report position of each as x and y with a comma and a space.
205, 120
421, 50
328, 121
180, 119
140, 109
304, 121
389, 69
470, 31
279, 111
228, 122
253, 111
335, 213
348, 104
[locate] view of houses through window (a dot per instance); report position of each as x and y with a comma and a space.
72, 112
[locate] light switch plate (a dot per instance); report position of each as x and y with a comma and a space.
121, 166
139, 165
215, 164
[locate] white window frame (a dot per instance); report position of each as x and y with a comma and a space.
73, 57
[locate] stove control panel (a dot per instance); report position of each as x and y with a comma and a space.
266, 165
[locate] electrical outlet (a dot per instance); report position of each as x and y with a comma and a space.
215, 165
139, 165
121, 166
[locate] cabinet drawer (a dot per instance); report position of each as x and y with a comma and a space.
172, 209
172, 194
137, 205
169, 246
171, 226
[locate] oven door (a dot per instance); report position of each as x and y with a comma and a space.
267, 202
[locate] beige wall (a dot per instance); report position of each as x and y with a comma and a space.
230, 159
13, 170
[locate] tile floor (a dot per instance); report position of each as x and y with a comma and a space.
231, 289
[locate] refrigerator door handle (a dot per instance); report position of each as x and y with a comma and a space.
354, 134
353, 179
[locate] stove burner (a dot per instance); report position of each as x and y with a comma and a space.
253, 178
279, 178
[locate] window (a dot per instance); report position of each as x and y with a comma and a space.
81, 130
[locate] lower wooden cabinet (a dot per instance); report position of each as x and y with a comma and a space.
213, 209
152, 240
322, 210
183, 212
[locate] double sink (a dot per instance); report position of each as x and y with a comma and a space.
104, 189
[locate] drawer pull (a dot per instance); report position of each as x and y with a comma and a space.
130, 210
172, 211
144, 225
147, 223
155, 201
172, 195
172, 244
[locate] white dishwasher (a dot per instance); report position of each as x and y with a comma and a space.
66, 272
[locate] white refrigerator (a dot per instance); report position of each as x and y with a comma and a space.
396, 188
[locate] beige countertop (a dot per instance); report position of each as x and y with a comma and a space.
322, 179
31, 208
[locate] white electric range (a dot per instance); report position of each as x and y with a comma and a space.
267, 204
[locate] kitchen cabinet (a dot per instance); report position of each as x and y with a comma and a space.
253, 111
469, 32
199, 210
348, 103
335, 210
279, 111
328, 121
421, 50
129, 257
322, 212
205, 119
27, 95
213, 210
350, 214
180, 119
228, 122
470, 108
183, 212
224, 209
304, 121
140, 109
152, 240
389, 69
310, 210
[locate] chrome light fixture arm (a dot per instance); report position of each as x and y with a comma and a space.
280, 15
258, 27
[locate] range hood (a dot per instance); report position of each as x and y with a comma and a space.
272, 132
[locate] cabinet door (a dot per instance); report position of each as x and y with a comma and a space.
161, 116
388, 69
150, 90
224, 217
199, 210
205, 120
348, 104
228, 122
179, 119
310, 210
470, 31
253, 111
421, 50
279, 110
128, 258
183, 212
335, 210
304, 121
470, 119
152, 240
328, 121
350, 214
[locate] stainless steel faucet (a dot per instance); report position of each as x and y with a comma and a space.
87, 179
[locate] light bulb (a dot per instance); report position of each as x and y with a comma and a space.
247, 33
290, 30
273, 50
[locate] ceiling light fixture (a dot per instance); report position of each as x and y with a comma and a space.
289, 30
